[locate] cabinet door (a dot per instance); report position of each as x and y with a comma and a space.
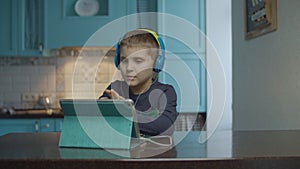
182, 25
51, 124
59, 124
19, 125
187, 75
21, 28
8, 28
47, 124
64, 27
30, 29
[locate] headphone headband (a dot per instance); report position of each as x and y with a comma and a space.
154, 34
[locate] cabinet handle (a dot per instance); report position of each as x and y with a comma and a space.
41, 47
47, 125
36, 126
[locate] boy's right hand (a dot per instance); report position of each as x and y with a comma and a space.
114, 95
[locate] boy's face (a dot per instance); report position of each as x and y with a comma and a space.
136, 65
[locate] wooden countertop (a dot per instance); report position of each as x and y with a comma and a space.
245, 149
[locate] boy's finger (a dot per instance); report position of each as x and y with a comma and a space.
114, 94
104, 98
121, 98
108, 92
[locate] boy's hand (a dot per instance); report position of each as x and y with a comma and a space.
114, 95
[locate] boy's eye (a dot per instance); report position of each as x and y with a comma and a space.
138, 60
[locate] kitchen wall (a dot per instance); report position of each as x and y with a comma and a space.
266, 72
24, 79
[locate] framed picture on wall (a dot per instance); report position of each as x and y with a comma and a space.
260, 17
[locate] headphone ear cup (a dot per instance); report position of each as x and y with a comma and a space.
159, 63
160, 60
117, 56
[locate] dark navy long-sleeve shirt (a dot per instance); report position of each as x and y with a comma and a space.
156, 107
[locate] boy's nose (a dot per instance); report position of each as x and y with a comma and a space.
130, 66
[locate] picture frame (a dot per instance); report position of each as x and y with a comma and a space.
260, 17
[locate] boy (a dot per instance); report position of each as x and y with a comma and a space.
139, 57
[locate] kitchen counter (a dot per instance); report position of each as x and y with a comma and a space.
245, 149
33, 113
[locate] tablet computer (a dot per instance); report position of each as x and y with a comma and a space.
90, 123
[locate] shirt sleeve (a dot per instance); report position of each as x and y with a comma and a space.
163, 124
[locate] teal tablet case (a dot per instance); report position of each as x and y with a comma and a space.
98, 124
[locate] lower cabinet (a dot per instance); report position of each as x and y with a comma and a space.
30, 125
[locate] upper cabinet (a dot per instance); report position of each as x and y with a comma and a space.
183, 23
21, 28
73, 22
31, 27
8, 28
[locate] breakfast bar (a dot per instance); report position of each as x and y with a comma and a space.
245, 149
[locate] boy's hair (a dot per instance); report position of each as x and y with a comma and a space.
143, 39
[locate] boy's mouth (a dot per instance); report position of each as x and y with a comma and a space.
130, 78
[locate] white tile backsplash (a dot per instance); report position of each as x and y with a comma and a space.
62, 77
1, 100
46, 70
83, 87
12, 99
16, 80
27, 70
38, 84
68, 83
51, 83
5, 83
12, 70
99, 88
21, 83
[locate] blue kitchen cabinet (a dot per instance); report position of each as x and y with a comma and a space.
182, 26
21, 28
51, 124
19, 125
64, 27
59, 124
31, 125
32, 27
8, 28
47, 125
